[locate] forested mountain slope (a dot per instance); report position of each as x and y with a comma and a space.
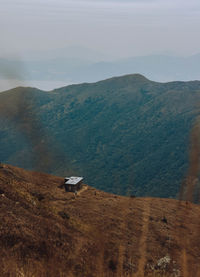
125, 134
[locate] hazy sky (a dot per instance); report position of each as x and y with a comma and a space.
117, 27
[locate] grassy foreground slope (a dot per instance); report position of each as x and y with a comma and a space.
125, 134
45, 231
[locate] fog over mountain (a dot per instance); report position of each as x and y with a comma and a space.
85, 41
75, 65
117, 28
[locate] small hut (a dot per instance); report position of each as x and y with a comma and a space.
73, 184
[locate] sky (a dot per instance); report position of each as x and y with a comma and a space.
116, 28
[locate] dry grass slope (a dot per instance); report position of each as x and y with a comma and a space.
45, 231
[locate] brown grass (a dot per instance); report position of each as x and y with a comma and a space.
45, 231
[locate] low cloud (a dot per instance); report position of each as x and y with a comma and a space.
119, 27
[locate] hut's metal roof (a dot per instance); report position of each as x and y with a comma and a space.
73, 180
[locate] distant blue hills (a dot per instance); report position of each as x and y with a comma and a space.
72, 69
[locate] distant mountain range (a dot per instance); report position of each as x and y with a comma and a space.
126, 135
80, 68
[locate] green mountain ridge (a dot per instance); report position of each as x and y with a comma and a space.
126, 135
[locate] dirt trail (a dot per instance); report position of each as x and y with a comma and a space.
184, 263
120, 260
182, 237
82, 190
124, 250
143, 239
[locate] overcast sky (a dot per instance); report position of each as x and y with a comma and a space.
116, 27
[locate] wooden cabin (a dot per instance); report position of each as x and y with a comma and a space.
73, 184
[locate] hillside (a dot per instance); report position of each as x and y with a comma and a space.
126, 135
45, 231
